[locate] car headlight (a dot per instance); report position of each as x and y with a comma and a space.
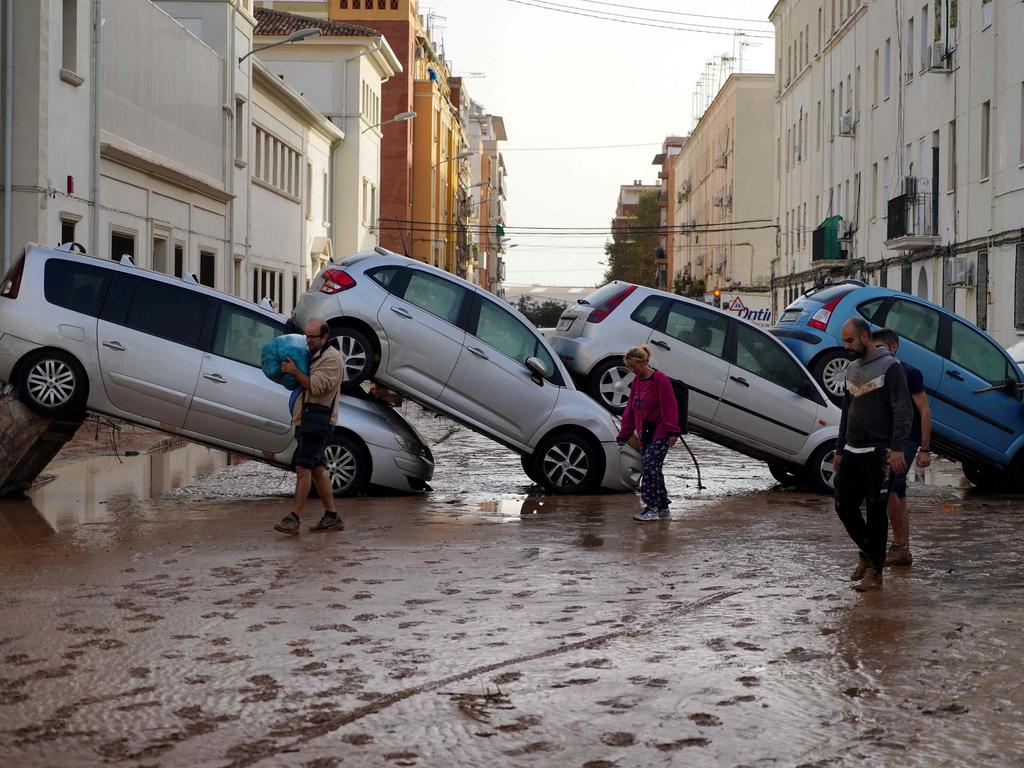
407, 443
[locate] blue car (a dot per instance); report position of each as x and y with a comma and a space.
973, 384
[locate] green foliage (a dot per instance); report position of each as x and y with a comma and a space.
542, 315
631, 254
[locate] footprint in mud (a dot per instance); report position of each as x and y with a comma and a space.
649, 682
575, 681
357, 739
619, 703
801, 655
302, 652
530, 749
618, 739
717, 644
590, 664
522, 723
743, 644
749, 681
704, 719
402, 758
736, 700
139, 672
675, 746
507, 677
323, 762
598, 764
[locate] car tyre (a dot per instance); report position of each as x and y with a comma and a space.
609, 384
527, 462
989, 479
785, 474
348, 464
830, 372
568, 462
359, 354
818, 473
53, 383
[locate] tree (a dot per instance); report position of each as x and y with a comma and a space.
543, 315
632, 252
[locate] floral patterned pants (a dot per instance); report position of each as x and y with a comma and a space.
652, 486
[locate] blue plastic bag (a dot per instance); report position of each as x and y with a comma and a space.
275, 352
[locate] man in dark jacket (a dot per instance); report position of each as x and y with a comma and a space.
872, 434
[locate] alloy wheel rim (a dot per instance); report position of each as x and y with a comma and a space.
341, 466
614, 386
566, 464
828, 472
833, 376
51, 382
355, 357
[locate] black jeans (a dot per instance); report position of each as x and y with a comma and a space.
865, 477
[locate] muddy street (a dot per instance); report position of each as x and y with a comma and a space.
149, 616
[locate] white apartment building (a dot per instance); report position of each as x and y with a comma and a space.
487, 163
724, 193
900, 151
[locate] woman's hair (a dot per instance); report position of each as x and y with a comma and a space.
640, 354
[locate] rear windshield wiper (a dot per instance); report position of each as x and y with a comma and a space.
583, 301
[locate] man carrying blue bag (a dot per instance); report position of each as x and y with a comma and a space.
314, 416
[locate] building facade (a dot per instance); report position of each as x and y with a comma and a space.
668, 273
487, 197
900, 154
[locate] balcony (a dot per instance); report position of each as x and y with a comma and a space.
825, 240
912, 222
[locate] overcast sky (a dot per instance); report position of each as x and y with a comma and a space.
562, 80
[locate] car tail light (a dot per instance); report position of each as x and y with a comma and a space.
601, 311
336, 281
12, 283
821, 317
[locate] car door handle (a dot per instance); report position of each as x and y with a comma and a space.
478, 352
402, 311
215, 377
739, 380
661, 344
955, 375
114, 345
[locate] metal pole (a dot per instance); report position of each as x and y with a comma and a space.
8, 128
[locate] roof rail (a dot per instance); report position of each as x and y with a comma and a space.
126, 260
190, 277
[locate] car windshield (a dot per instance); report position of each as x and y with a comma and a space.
829, 292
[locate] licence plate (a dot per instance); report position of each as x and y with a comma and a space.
790, 315
564, 323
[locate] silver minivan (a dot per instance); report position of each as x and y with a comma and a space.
747, 390
78, 332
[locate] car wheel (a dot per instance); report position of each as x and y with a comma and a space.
348, 465
358, 353
567, 462
785, 474
53, 383
527, 462
987, 478
819, 475
609, 384
830, 372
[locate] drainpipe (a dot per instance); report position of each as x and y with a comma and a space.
229, 165
97, 24
8, 127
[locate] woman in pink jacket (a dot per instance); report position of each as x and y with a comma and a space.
653, 415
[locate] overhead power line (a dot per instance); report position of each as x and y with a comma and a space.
673, 13
563, 149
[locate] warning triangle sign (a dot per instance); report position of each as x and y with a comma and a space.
737, 305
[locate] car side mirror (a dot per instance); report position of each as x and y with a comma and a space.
537, 368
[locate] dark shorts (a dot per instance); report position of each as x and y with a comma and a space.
309, 453
899, 482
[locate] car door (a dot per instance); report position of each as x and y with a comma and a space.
492, 385
765, 398
421, 323
986, 422
148, 344
689, 345
235, 404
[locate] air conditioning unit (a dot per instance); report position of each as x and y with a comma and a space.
961, 271
726, 200
846, 230
721, 160
939, 59
686, 187
846, 124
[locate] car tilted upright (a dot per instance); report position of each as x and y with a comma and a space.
464, 353
77, 332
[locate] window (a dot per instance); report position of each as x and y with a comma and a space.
78, 287
324, 201
1020, 124
977, 354
821, 28
924, 38
697, 327
69, 36
761, 355
986, 12
268, 284
819, 127
179, 260
986, 138
874, 190
887, 83
918, 323
159, 262
869, 308
951, 155
436, 295
910, 49
309, 191
1018, 290
241, 335
67, 230
208, 268
503, 331
648, 310
238, 276
121, 244
175, 314
885, 185
277, 164
385, 276
366, 200
240, 126
874, 79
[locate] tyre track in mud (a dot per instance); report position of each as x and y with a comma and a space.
256, 753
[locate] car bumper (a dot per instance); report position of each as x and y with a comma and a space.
580, 354
622, 468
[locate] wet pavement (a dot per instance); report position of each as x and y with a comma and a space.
150, 616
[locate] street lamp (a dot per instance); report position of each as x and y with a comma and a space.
399, 118
460, 156
294, 37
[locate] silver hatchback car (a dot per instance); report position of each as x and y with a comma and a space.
77, 332
464, 353
748, 392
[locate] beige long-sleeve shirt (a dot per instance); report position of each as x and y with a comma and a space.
325, 375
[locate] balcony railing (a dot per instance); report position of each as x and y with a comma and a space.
911, 224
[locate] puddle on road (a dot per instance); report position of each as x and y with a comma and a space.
83, 491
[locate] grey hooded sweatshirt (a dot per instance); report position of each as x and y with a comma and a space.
877, 407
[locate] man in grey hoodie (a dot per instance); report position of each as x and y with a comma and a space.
872, 432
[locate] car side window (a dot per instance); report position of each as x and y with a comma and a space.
978, 355
241, 335
385, 276
758, 353
697, 327
869, 309
436, 295
172, 313
916, 322
74, 286
648, 310
504, 331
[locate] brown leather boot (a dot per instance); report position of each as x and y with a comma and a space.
858, 572
899, 555
872, 581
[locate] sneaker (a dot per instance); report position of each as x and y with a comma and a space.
328, 521
899, 555
872, 581
646, 515
664, 514
858, 572
289, 524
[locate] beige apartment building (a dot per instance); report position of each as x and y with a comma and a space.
900, 151
724, 193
